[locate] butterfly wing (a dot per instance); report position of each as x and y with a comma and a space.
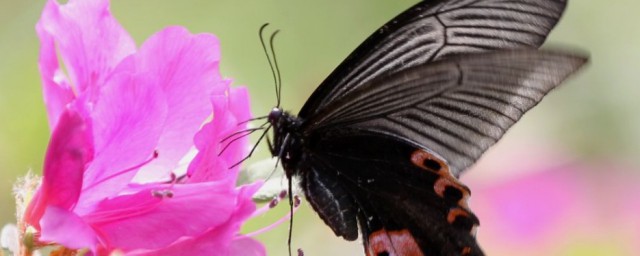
390, 130
406, 199
432, 30
389, 153
456, 107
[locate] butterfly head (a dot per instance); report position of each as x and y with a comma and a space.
283, 122
286, 137
275, 115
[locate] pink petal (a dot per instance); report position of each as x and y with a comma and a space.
214, 242
89, 39
245, 205
56, 89
239, 109
128, 120
246, 246
209, 167
69, 150
229, 111
239, 103
186, 67
66, 228
217, 240
144, 221
532, 207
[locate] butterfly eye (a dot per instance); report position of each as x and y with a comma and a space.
275, 115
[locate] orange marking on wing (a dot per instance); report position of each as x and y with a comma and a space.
395, 243
431, 162
454, 213
466, 251
421, 156
449, 181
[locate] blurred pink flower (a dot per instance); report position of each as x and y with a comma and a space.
555, 204
130, 166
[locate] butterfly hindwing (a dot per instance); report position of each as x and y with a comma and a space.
435, 29
388, 229
405, 195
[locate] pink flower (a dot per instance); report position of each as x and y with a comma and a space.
554, 204
120, 171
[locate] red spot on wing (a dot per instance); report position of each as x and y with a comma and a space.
454, 213
432, 162
422, 158
449, 181
394, 243
427, 161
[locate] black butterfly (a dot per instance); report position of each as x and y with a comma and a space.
381, 142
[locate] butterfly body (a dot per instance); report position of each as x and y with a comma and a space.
379, 146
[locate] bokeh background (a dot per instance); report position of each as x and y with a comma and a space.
564, 181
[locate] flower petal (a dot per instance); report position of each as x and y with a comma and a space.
144, 221
70, 149
66, 228
239, 103
246, 246
128, 120
530, 208
214, 242
89, 39
56, 90
245, 205
228, 112
219, 238
239, 110
186, 66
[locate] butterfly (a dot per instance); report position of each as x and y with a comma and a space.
380, 144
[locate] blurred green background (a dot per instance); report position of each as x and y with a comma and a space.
593, 117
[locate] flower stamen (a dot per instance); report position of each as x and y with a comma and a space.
286, 217
164, 193
274, 202
296, 201
134, 168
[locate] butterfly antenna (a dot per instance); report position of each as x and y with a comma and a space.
266, 53
277, 71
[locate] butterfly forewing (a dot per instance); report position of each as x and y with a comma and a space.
432, 30
456, 107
